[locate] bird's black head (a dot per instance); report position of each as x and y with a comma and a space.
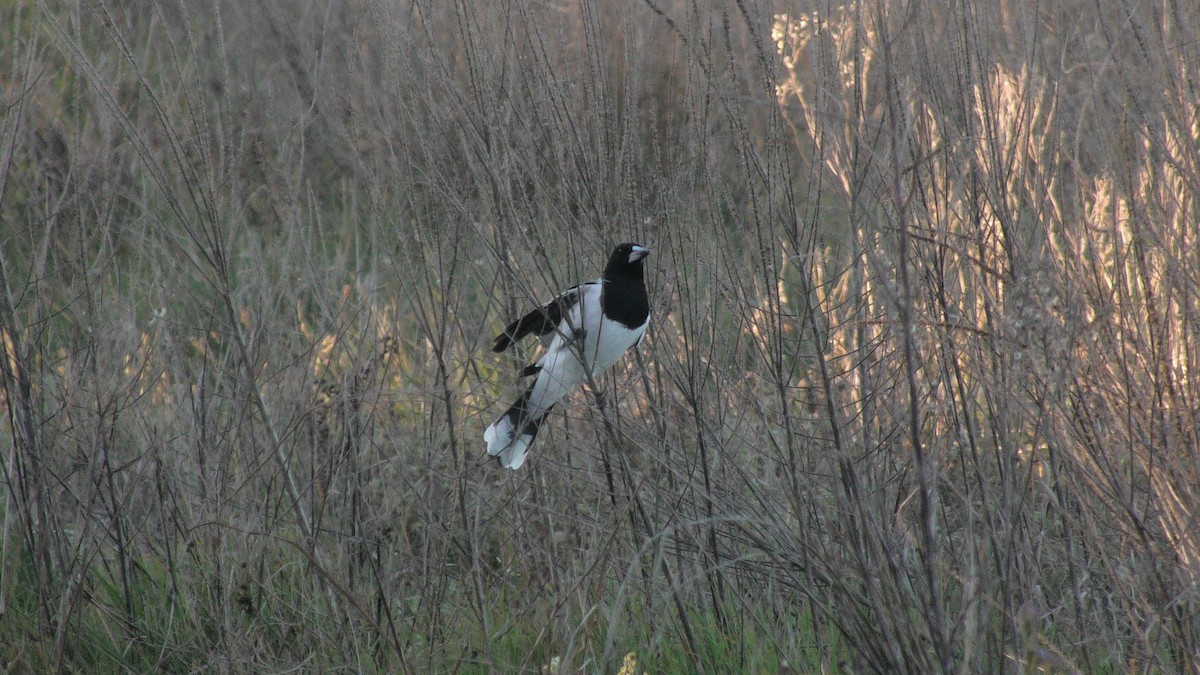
626, 261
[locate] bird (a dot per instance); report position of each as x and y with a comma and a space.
588, 328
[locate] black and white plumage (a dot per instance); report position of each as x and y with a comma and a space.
588, 328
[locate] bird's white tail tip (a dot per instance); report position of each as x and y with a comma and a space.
498, 435
514, 455
502, 443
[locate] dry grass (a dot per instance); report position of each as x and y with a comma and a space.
919, 394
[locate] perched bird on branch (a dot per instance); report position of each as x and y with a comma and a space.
588, 328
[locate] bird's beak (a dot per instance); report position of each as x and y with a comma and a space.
638, 253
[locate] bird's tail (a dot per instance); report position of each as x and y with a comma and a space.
509, 437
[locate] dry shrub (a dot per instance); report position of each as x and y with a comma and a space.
1021, 211
917, 394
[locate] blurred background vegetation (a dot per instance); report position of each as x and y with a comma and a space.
919, 394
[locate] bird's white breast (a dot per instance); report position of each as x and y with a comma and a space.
568, 362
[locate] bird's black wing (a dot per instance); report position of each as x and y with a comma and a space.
541, 321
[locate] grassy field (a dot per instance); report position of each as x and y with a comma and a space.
920, 391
